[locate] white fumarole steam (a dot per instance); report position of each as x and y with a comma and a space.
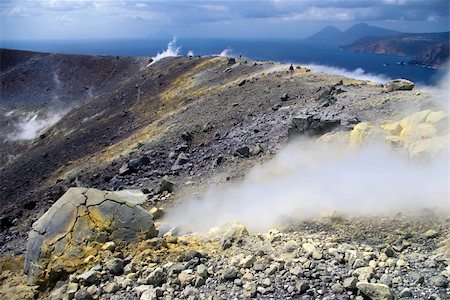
358, 73
308, 179
31, 125
172, 50
226, 52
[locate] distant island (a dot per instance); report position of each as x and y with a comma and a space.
430, 49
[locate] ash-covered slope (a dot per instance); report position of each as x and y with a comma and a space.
185, 125
179, 117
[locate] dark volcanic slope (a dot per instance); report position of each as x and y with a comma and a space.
124, 109
114, 84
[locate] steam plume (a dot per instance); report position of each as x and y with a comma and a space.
32, 125
358, 73
172, 50
308, 179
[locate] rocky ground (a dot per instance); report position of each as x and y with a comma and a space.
178, 126
332, 258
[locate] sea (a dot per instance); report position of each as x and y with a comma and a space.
375, 67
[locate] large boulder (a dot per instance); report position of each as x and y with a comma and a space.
399, 85
77, 225
312, 123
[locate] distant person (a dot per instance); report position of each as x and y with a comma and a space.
291, 68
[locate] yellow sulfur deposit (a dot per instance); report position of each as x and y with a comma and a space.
422, 133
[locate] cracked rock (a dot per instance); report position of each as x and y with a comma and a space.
77, 225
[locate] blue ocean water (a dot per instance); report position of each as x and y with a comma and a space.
282, 50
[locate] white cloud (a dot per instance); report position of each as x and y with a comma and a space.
395, 2
321, 14
432, 18
18, 11
214, 7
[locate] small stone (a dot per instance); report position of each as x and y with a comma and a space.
151, 294
350, 283
406, 293
115, 266
157, 213
109, 246
247, 276
317, 255
250, 290
88, 278
199, 281
157, 277
202, 271
401, 263
229, 274
308, 248
284, 97
375, 291
440, 281
337, 288
111, 287
266, 282
386, 279
72, 288
242, 151
429, 234
186, 277
364, 273
166, 185
302, 287
389, 251
83, 295
247, 262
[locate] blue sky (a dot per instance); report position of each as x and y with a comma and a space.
68, 19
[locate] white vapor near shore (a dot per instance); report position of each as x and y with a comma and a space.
172, 50
358, 73
226, 52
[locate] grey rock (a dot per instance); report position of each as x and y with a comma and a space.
166, 185
386, 279
375, 291
151, 294
429, 234
440, 281
399, 85
111, 287
350, 283
284, 97
229, 274
115, 266
83, 295
337, 288
302, 287
242, 151
202, 271
88, 278
406, 293
231, 61
312, 123
389, 251
157, 277
80, 217
247, 262
250, 290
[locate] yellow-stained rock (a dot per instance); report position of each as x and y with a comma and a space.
72, 231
